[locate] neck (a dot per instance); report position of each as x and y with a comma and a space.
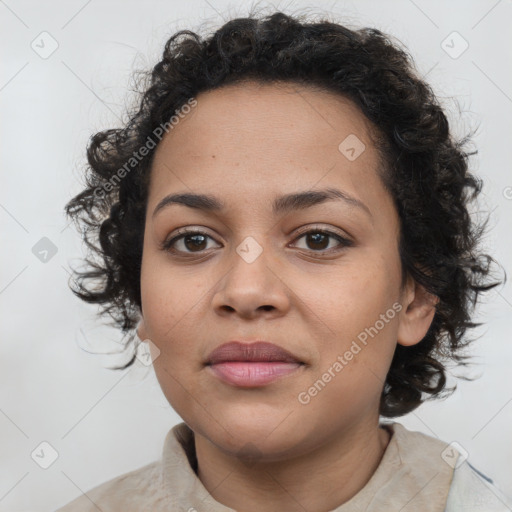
320, 480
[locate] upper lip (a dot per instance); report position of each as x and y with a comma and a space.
257, 351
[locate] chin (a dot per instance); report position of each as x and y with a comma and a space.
266, 436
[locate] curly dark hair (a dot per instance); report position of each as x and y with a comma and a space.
425, 170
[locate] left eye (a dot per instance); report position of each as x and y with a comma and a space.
316, 240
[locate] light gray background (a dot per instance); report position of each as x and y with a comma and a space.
104, 423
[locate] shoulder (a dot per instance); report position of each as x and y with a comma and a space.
418, 448
472, 491
134, 490
464, 487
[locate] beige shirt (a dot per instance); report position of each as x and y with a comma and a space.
416, 474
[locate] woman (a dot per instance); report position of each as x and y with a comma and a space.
284, 224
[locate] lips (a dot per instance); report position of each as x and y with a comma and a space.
250, 365
259, 351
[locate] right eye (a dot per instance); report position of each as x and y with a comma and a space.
191, 241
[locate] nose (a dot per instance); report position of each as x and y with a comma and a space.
252, 287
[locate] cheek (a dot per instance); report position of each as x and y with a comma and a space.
350, 300
168, 296
356, 312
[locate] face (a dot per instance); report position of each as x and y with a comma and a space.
321, 281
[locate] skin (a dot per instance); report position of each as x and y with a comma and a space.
247, 144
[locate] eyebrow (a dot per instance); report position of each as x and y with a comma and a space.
280, 205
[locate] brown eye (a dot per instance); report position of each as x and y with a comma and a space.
319, 240
190, 242
187, 242
195, 242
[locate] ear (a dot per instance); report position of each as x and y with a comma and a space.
419, 308
141, 330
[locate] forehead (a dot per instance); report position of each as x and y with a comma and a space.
264, 140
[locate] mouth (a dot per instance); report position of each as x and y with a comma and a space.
251, 375
251, 365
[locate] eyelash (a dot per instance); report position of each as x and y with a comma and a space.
167, 244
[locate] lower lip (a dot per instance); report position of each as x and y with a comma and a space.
247, 374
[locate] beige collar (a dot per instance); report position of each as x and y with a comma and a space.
411, 476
